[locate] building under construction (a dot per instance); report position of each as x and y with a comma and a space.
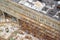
29, 19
